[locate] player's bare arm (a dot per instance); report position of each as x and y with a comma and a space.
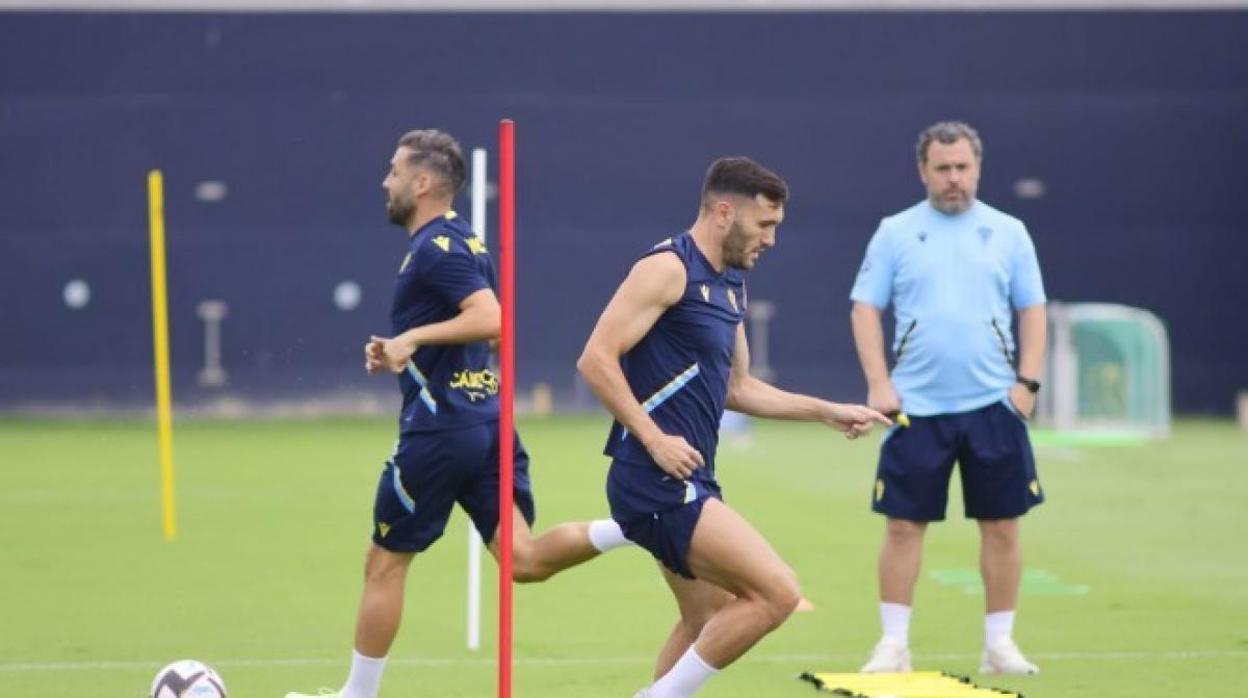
1032, 328
869, 340
756, 397
654, 285
479, 319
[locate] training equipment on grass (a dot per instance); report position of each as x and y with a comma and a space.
1109, 371
475, 543
187, 678
160, 342
507, 368
911, 684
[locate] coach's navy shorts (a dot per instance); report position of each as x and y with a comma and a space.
430, 471
994, 459
657, 511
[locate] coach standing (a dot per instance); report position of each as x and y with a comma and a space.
955, 271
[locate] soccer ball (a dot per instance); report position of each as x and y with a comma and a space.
187, 679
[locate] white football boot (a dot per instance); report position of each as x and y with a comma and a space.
889, 656
1002, 656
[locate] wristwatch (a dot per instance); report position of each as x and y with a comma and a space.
1033, 386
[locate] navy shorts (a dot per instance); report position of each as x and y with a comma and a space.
994, 459
430, 471
657, 511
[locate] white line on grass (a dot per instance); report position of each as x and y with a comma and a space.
489, 660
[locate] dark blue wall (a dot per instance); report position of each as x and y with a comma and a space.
1136, 122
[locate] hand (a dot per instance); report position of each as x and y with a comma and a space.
372, 357
388, 353
674, 455
853, 420
883, 399
1023, 400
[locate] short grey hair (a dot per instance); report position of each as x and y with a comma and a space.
948, 132
438, 152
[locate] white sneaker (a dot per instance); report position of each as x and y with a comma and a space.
322, 693
1003, 657
889, 656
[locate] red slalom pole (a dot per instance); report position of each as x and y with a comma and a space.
507, 365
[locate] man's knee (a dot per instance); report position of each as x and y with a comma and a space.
780, 596
905, 531
383, 566
526, 566
999, 533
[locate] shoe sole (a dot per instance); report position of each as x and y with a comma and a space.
984, 669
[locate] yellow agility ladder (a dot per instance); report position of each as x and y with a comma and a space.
912, 684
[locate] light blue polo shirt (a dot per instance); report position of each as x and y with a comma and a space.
954, 283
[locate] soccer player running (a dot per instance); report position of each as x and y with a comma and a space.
667, 356
444, 316
955, 270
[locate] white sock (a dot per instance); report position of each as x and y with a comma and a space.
998, 625
895, 619
605, 534
684, 679
365, 676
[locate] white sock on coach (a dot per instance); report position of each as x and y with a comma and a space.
605, 534
365, 677
895, 619
684, 679
998, 625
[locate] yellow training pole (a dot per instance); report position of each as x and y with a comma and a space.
160, 340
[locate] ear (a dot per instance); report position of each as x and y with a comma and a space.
422, 182
725, 212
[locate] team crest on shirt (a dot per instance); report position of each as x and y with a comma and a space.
407, 261
732, 300
985, 233
443, 242
922, 236
706, 292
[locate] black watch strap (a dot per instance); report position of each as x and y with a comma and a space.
1032, 386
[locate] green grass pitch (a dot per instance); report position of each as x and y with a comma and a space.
1137, 568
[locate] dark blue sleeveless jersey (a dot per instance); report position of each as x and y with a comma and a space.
679, 370
445, 386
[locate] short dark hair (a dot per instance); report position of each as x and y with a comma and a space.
948, 132
743, 177
438, 152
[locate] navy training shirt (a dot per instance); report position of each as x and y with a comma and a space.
445, 386
679, 370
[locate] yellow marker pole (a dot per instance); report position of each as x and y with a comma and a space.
160, 341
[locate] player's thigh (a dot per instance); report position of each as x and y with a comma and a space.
478, 494
998, 467
727, 551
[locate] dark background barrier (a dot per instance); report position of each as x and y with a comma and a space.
1135, 125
